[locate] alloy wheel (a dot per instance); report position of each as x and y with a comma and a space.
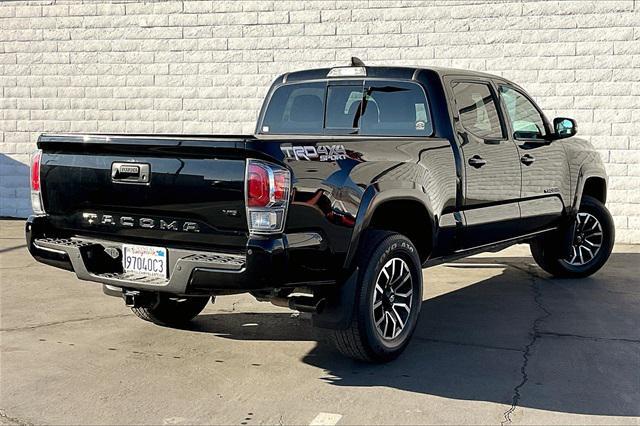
587, 240
392, 298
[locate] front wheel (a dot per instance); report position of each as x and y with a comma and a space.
590, 249
388, 299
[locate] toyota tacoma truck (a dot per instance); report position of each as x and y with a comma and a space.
356, 178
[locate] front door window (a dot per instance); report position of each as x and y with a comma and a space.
526, 121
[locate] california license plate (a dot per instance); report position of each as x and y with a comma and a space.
145, 260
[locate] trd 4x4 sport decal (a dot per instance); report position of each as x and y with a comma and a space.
315, 153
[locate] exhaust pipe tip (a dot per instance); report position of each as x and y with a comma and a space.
310, 304
307, 304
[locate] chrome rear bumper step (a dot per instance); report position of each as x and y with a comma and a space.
181, 264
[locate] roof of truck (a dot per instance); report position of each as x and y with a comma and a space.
383, 72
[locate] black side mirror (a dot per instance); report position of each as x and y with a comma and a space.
564, 127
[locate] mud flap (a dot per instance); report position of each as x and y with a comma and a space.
560, 240
338, 312
568, 235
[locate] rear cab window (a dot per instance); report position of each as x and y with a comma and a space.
295, 109
342, 114
366, 107
395, 109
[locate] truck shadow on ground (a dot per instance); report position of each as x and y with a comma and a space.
517, 337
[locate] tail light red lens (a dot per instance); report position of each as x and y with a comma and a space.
36, 195
35, 171
258, 186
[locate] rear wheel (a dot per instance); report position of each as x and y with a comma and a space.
590, 249
388, 299
172, 311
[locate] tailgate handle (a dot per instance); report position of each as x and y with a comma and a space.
130, 173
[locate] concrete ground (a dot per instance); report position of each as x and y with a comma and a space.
498, 341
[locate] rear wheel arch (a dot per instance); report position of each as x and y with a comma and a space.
408, 217
422, 231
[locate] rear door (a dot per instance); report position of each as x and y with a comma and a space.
545, 173
492, 177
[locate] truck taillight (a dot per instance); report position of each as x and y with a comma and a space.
267, 188
257, 185
36, 195
35, 170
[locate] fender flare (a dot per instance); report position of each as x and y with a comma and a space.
584, 175
372, 198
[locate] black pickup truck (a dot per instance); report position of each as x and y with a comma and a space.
356, 178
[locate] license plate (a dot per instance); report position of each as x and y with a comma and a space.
145, 260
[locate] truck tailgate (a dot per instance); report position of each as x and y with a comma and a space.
165, 190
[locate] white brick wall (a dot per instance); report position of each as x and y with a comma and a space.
203, 67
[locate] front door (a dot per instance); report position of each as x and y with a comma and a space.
491, 163
545, 173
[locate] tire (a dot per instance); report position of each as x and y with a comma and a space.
363, 340
172, 311
590, 251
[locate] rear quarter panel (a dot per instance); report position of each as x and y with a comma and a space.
334, 197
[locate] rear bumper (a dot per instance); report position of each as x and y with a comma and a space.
263, 264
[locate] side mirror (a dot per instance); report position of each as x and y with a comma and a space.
564, 127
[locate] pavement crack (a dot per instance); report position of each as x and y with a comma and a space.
534, 334
475, 345
529, 271
594, 338
11, 420
49, 324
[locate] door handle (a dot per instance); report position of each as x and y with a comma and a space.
130, 173
527, 159
477, 161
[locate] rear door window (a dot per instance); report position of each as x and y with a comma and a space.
295, 109
395, 108
477, 108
